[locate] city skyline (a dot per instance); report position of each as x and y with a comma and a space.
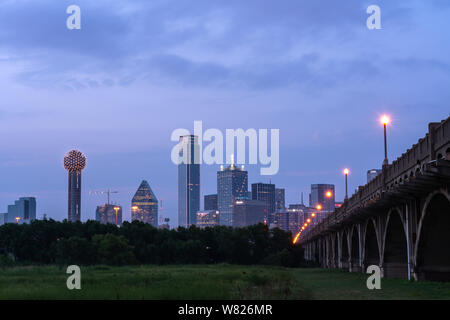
313, 71
327, 187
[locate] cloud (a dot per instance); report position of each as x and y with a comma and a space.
249, 44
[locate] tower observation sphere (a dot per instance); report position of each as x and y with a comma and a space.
74, 163
74, 160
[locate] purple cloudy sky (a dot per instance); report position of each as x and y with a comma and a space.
139, 69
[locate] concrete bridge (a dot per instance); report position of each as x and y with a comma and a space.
399, 221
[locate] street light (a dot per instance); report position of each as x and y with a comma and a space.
328, 194
116, 209
346, 172
17, 220
385, 120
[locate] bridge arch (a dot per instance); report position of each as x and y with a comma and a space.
371, 251
336, 250
433, 241
395, 255
354, 247
344, 250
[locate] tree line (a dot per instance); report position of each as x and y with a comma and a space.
54, 242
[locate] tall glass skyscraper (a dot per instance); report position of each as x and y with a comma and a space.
188, 181
232, 184
323, 195
265, 192
144, 206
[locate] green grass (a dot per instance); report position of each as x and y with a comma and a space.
340, 284
206, 282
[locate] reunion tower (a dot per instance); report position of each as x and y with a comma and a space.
74, 163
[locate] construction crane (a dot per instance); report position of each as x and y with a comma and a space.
107, 192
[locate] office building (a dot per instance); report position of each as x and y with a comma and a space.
207, 218
281, 220
22, 211
109, 213
188, 180
248, 212
372, 174
144, 205
323, 195
232, 184
210, 202
74, 163
279, 199
265, 192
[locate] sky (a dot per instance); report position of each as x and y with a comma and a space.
138, 69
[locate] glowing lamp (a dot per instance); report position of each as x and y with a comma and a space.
385, 120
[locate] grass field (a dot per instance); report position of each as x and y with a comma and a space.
207, 282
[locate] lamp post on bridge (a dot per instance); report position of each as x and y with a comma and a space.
385, 120
346, 172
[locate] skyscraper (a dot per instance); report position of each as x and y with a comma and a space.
188, 181
232, 184
323, 195
210, 202
207, 218
279, 199
22, 211
74, 163
248, 212
265, 192
144, 205
109, 213
372, 174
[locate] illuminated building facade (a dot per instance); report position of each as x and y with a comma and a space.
207, 218
109, 213
323, 195
188, 181
144, 205
74, 163
232, 184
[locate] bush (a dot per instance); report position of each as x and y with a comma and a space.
6, 261
113, 250
75, 250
